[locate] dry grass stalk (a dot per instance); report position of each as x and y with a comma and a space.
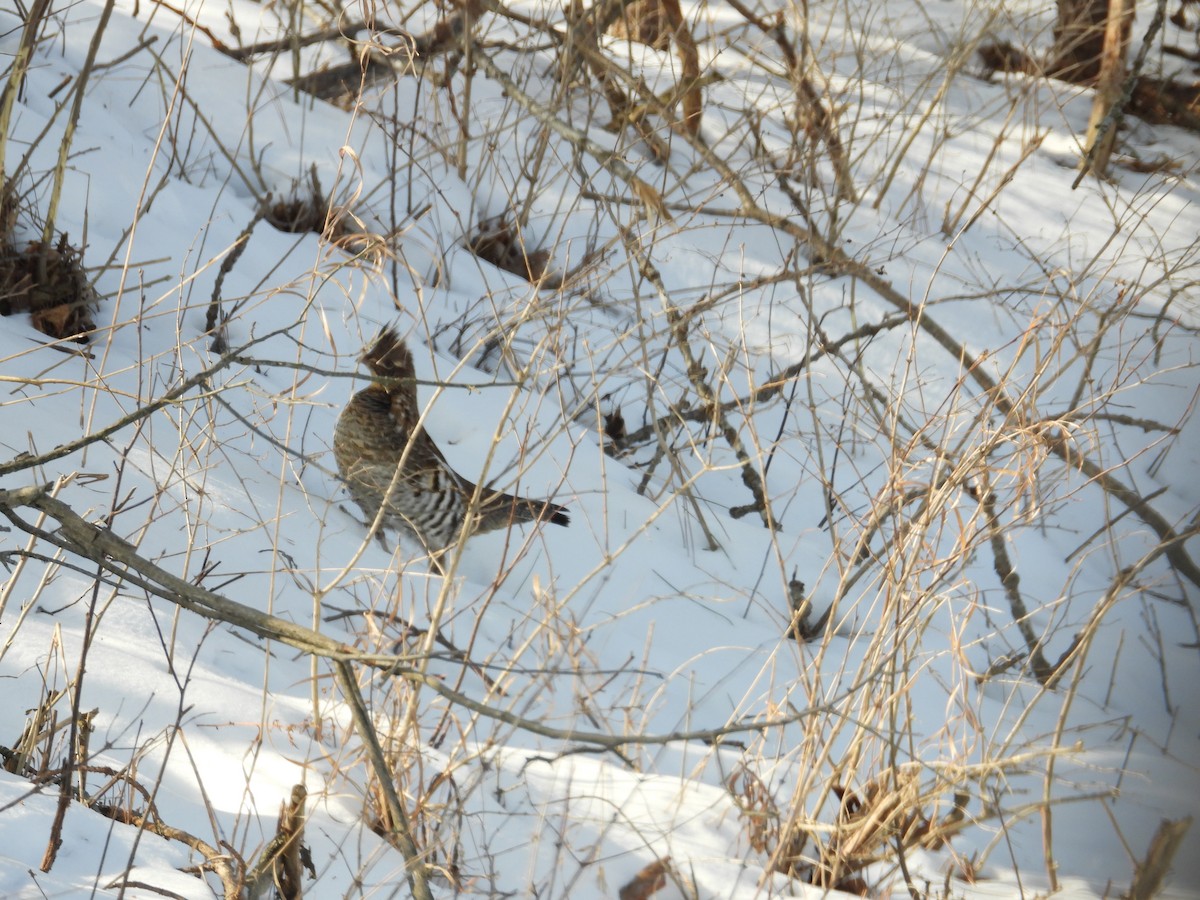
888, 813
32, 755
764, 823
811, 113
310, 209
35, 757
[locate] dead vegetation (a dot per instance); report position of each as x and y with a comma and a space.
890, 816
849, 815
1156, 100
500, 242
649, 880
55, 749
50, 285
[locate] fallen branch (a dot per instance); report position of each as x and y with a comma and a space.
219, 859
121, 558
1152, 870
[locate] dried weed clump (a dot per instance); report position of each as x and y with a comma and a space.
48, 282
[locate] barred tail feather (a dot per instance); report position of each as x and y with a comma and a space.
503, 510
551, 512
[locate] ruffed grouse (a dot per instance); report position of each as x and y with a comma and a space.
377, 434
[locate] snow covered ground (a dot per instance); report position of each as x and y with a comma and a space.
899, 479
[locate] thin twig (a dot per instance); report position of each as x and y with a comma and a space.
121, 558
29, 461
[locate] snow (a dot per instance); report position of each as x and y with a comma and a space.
658, 615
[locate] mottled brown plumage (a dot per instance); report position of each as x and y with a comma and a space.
382, 454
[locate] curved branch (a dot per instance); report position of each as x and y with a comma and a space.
119, 557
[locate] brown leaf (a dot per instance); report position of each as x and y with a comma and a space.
56, 321
648, 881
